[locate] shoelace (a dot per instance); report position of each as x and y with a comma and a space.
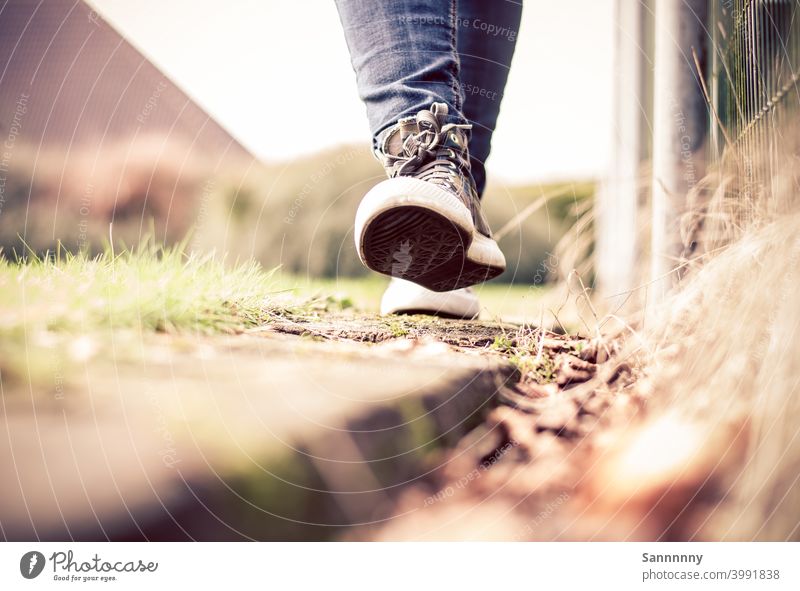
425, 154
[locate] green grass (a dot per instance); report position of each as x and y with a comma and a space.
56, 307
522, 350
164, 289
499, 301
151, 288
60, 308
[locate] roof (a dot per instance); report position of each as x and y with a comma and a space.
68, 78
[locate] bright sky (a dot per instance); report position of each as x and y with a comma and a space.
276, 72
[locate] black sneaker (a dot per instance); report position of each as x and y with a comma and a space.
424, 224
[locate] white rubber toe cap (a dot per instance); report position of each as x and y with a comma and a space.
403, 297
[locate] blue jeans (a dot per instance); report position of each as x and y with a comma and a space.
409, 54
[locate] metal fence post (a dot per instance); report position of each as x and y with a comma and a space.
616, 255
680, 128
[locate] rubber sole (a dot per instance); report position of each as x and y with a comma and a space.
416, 231
420, 245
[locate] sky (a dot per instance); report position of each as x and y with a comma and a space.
260, 66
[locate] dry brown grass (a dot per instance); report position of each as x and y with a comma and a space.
717, 455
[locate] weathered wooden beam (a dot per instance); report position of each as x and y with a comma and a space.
270, 438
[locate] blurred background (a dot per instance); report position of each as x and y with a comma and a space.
214, 123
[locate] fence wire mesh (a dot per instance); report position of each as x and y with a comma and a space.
756, 71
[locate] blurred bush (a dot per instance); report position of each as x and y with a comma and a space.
298, 215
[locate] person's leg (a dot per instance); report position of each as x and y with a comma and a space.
424, 223
487, 35
404, 56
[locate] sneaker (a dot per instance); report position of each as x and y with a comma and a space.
405, 297
424, 224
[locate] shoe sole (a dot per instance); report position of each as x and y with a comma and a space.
414, 230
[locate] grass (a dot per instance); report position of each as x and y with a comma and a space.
524, 352
60, 308
499, 301
163, 289
151, 287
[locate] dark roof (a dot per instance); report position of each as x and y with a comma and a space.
79, 81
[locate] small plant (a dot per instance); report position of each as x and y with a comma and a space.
525, 351
398, 329
541, 369
503, 344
